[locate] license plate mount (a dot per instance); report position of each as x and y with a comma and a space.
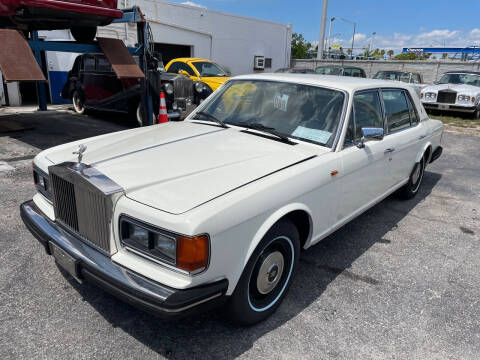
443, 107
65, 261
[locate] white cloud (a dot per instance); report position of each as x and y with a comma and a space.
191, 3
397, 41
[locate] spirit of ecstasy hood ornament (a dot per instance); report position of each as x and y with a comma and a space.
79, 152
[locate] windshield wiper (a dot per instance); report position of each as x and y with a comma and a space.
266, 129
212, 117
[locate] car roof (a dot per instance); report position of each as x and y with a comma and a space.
463, 72
345, 83
191, 59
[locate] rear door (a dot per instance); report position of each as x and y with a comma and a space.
88, 80
403, 132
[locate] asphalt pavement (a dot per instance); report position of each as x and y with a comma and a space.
401, 281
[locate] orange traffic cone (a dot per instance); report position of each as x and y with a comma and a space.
162, 114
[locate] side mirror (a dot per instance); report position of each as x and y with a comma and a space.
370, 133
183, 72
436, 82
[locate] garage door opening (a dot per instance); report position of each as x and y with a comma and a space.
172, 51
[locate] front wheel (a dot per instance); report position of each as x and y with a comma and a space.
476, 114
78, 104
267, 276
415, 180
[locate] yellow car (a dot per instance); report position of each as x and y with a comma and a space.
199, 70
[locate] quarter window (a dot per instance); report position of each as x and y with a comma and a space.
396, 109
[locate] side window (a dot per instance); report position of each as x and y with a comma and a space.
396, 109
362, 73
405, 77
347, 72
103, 65
368, 111
174, 67
188, 69
356, 73
89, 63
416, 79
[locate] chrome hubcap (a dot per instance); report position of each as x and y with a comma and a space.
416, 173
270, 272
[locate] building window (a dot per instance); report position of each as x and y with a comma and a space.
268, 63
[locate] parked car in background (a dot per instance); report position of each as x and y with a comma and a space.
295, 71
413, 78
184, 216
456, 91
341, 71
207, 75
80, 16
92, 84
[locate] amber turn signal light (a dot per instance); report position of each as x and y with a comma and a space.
192, 252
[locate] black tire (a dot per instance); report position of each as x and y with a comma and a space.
476, 114
141, 116
415, 180
84, 33
256, 297
78, 103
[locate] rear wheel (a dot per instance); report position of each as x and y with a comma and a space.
78, 104
141, 116
267, 276
84, 33
415, 180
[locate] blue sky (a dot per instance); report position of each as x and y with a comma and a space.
396, 23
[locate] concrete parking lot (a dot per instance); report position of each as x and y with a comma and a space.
402, 281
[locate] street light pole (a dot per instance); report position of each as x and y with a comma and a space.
353, 38
371, 41
329, 44
321, 38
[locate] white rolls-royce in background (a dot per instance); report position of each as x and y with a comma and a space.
181, 217
457, 91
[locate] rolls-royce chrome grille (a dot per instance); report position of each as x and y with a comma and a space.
447, 97
83, 202
64, 201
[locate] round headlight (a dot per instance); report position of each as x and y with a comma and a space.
200, 87
168, 88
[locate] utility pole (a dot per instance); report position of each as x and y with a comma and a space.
353, 37
329, 43
321, 38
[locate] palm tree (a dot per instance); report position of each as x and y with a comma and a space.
390, 52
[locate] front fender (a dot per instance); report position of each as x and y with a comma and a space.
274, 218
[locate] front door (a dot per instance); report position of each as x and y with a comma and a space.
366, 171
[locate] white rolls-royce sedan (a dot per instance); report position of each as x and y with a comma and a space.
184, 216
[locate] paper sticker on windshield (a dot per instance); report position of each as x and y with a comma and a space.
280, 102
320, 136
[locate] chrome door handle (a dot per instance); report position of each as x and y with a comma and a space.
389, 150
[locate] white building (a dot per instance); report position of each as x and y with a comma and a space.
181, 30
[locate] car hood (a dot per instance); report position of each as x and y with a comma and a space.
214, 82
459, 88
178, 166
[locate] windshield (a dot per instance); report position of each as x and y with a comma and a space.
467, 79
303, 112
388, 75
208, 69
329, 70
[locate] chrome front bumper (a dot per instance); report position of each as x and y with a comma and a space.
95, 267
